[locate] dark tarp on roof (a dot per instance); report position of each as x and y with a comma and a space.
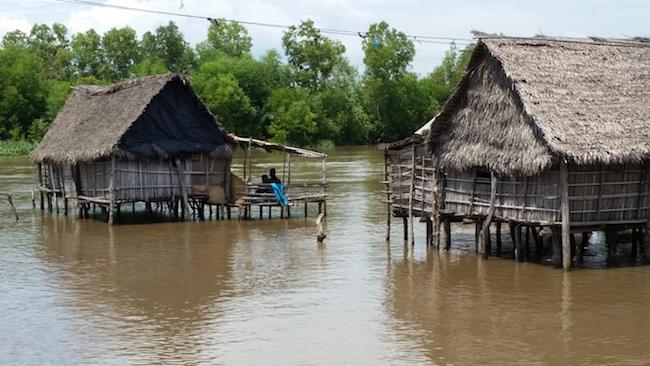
175, 122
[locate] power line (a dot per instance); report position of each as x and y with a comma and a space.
339, 32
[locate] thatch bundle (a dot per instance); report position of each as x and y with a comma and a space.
524, 102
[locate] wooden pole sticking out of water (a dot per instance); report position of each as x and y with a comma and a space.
411, 193
111, 189
485, 231
564, 209
11, 203
388, 198
499, 243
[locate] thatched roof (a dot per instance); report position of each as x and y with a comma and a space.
92, 123
526, 102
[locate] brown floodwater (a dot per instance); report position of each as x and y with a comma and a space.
264, 293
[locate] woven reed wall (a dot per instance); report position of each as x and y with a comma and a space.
400, 173
614, 194
150, 180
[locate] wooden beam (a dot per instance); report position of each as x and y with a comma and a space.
483, 237
565, 212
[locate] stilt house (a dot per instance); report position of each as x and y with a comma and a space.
144, 140
547, 133
408, 177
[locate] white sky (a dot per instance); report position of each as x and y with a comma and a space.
425, 17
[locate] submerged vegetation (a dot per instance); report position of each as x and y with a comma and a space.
308, 95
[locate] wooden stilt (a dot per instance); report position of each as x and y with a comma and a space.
305, 208
572, 240
261, 213
485, 228
446, 231
488, 243
518, 244
111, 189
564, 211
584, 243
40, 184
538, 242
269, 212
499, 244
406, 233
513, 237
527, 243
427, 231
557, 247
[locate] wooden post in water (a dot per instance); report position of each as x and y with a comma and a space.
499, 244
518, 244
557, 246
446, 233
111, 189
564, 210
181, 180
56, 199
40, 184
411, 193
387, 185
485, 230
324, 188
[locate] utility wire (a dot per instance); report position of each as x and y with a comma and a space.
340, 32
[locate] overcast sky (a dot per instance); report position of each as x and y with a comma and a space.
452, 18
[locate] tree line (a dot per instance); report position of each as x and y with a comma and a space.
307, 95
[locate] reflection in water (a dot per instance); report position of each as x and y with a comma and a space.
252, 292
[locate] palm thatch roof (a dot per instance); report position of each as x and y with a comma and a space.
95, 119
523, 103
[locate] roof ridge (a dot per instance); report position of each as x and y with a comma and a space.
595, 41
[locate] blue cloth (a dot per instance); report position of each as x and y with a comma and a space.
280, 197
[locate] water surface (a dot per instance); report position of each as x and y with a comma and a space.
263, 292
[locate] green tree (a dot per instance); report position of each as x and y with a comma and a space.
293, 117
120, 47
256, 79
52, 46
23, 96
447, 75
15, 38
168, 45
313, 56
397, 102
87, 54
388, 52
225, 39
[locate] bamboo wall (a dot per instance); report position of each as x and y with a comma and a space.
597, 195
139, 180
404, 166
